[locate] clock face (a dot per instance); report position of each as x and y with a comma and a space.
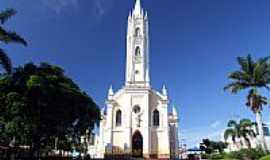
136, 109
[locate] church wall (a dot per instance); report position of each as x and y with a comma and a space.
122, 135
159, 135
119, 142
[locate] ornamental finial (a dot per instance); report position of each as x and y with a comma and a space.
137, 9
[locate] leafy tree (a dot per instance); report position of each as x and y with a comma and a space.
252, 75
243, 129
8, 37
206, 146
211, 146
41, 104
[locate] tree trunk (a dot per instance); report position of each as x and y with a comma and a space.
237, 143
248, 142
260, 129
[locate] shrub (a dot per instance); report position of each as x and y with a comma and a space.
217, 156
205, 156
252, 154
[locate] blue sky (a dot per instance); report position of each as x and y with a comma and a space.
194, 44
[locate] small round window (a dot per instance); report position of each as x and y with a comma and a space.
137, 72
136, 109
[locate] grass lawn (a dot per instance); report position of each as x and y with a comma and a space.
265, 158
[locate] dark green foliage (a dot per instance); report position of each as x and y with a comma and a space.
243, 129
251, 154
40, 105
8, 37
5, 61
252, 75
210, 147
244, 154
217, 156
255, 101
6, 14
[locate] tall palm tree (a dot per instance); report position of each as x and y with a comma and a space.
243, 129
247, 130
8, 37
234, 132
252, 75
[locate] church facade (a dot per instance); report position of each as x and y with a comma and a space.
136, 120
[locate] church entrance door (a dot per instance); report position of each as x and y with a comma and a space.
137, 144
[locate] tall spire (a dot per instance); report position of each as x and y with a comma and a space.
137, 59
164, 90
137, 9
174, 111
110, 92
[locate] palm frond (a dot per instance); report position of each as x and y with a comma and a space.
8, 37
240, 76
232, 123
6, 14
250, 63
246, 123
246, 63
243, 62
235, 87
253, 74
261, 72
5, 61
229, 133
263, 59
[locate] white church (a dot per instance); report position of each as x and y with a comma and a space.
136, 120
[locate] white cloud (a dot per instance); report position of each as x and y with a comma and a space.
96, 9
193, 136
58, 5
215, 124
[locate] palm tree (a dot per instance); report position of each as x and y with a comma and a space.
247, 130
252, 75
8, 37
233, 132
240, 130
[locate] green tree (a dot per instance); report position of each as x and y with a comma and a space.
41, 104
252, 75
206, 146
211, 146
243, 129
8, 37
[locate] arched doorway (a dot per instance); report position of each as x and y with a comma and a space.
137, 144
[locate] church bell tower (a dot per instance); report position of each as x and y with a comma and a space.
136, 120
137, 56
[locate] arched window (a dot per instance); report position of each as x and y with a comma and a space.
137, 32
118, 117
137, 52
156, 118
